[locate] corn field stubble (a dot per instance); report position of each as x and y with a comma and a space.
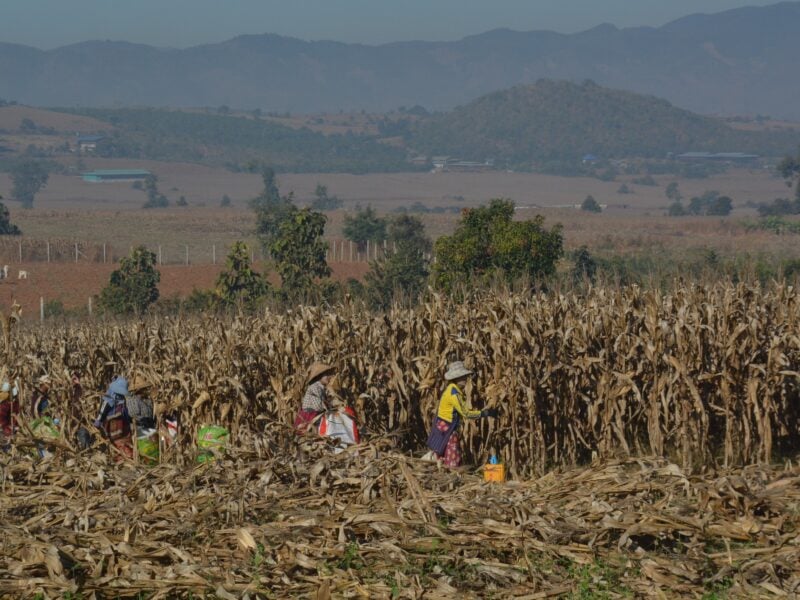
669, 396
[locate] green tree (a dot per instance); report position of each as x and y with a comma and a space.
182, 201
6, 226
489, 241
585, 267
720, 206
271, 208
155, 199
405, 269
672, 192
364, 226
789, 168
226, 200
299, 251
322, 201
591, 205
239, 282
27, 178
676, 209
710, 203
134, 286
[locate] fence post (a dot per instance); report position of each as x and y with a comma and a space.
367, 250
213, 253
19, 243
41, 309
90, 306
351, 250
48, 250
104, 253
76, 251
187, 255
159, 255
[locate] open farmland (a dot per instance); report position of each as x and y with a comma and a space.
670, 397
71, 210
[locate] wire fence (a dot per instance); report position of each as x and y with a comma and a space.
19, 250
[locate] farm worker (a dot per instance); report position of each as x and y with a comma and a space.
140, 408
113, 417
315, 400
443, 438
9, 410
40, 401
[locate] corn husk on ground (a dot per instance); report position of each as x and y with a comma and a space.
704, 378
382, 525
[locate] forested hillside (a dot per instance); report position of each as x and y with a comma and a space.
160, 134
559, 120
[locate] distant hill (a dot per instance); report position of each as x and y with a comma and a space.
563, 121
742, 61
236, 141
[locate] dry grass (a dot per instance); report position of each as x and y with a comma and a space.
705, 378
381, 525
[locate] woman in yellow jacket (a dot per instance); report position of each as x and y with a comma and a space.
443, 438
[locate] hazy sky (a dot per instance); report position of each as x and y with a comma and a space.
179, 23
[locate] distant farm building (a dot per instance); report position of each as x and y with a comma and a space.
718, 156
115, 175
88, 143
446, 163
588, 159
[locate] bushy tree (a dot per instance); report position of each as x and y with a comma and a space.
489, 241
591, 205
226, 201
239, 282
405, 269
27, 178
271, 208
711, 203
789, 168
299, 251
155, 199
134, 286
779, 206
6, 226
364, 226
585, 267
672, 192
323, 201
676, 209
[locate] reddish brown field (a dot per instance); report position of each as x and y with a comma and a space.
73, 284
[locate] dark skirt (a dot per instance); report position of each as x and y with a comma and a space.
440, 434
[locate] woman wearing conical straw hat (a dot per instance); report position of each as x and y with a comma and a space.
315, 400
443, 438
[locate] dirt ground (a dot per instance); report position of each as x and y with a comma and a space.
73, 284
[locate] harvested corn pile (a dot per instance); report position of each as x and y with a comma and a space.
378, 524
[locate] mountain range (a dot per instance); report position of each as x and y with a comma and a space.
737, 62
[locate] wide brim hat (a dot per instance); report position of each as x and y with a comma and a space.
139, 383
456, 370
317, 370
119, 386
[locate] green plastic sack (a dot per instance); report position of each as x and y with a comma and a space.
148, 449
44, 428
211, 438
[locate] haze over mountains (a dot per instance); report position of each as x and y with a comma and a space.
741, 61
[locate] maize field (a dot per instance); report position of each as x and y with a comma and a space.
641, 431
